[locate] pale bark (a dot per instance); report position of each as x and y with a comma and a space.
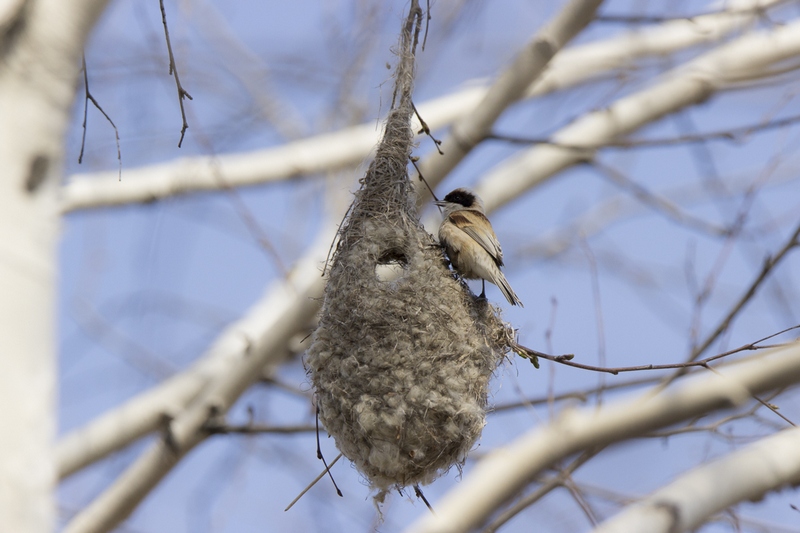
223, 373
504, 472
769, 464
39, 64
351, 146
510, 86
746, 58
153, 409
256, 342
144, 413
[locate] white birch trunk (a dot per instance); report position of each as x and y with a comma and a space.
39, 65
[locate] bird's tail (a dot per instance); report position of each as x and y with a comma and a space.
505, 288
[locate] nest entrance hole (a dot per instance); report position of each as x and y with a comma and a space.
391, 265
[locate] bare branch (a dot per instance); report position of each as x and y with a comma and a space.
145, 413
567, 359
350, 146
188, 428
621, 207
471, 129
501, 475
320, 153
685, 504
656, 19
545, 489
581, 395
749, 56
769, 264
256, 429
314, 482
87, 94
736, 135
173, 70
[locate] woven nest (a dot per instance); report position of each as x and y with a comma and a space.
400, 366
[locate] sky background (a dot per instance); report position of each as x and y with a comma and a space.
145, 289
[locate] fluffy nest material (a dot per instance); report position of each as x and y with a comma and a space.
400, 366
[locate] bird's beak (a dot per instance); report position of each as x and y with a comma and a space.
440, 203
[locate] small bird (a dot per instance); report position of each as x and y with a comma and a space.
470, 242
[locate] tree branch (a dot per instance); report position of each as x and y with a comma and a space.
188, 428
173, 70
472, 128
749, 57
87, 95
146, 412
529, 353
736, 135
350, 146
688, 502
769, 264
502, 474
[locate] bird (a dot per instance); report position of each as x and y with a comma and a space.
470, 242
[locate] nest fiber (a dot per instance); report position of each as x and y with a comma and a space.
400, 366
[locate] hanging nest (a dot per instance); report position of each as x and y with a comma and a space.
400, 366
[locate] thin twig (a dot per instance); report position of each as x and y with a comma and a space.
704, 157
426, 130
542, 491
316, 479
548, 339
713, 428
173, 71
769, 264
255, 429
640, 19
104, 331
580, 395
769, 406
322, 457
422, 178
579, 498
427, 24
660, 19
566, 359
421, 496
732, 135
87, 98
584, 394
255, 229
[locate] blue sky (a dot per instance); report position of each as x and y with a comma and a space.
144, 289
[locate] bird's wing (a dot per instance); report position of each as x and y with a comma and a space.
476, 225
